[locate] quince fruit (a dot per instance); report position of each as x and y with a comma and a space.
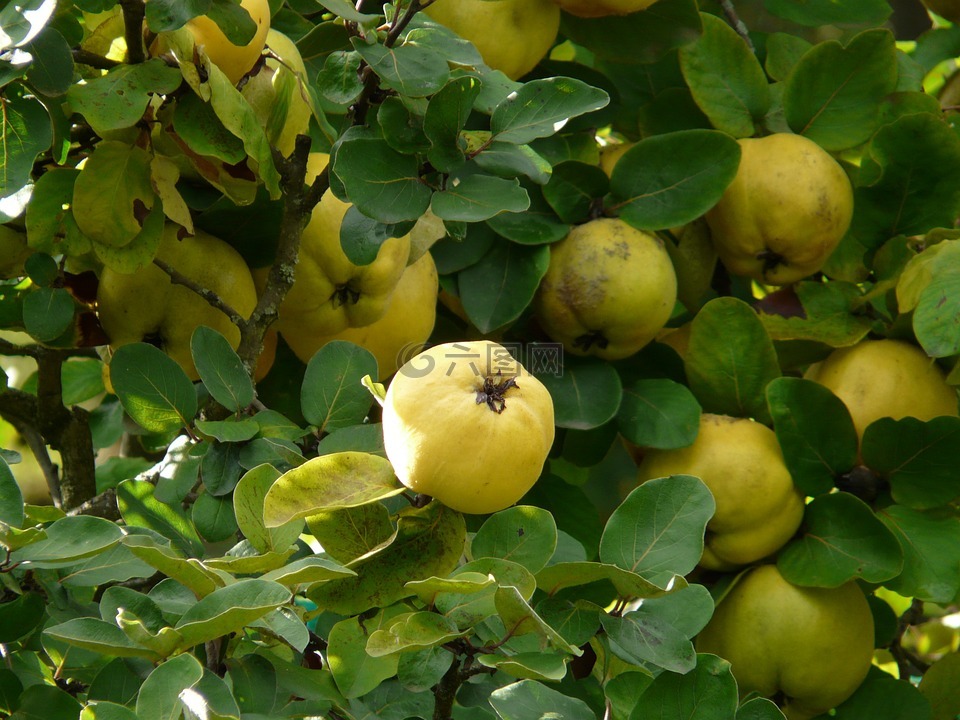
608, 291
512, 36
610, 154
785, 211
234, 61
885, 378
602, 8
330, 293
466, 424
399, 334
758, 506
278, 93
947, 9
814, 645
147, 306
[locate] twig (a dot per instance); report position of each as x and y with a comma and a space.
298, 202
133, 14
13, 350
103, 505
737, 23
38, 447
209, 295
85, 57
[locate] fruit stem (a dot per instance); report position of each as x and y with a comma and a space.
492, 392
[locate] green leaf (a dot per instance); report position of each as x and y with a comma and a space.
402, 125
50, 228
498, 288
573, 190
338, 480
939, 686
411, 71
220, 369
933, 319
332, 395
730, 378
46, 702
196, 123
815, 432
21, 22
381, 182
657, 531
21, 615
51, 71
725, 78
349, 533
411, 631
362, 236
220, 468
213, 517
828, 12
671, 179
659, 413
99, 636
68, 540
140, 250
190, 572
688, 609
140, 508
641, 37
11, 498
509, 160
527, 699
708, 692
479, 197
120, 172
229, 609
103, 710
577, 621
230, 430
159, 697
520, 619
445, 117
841, 539
759, 709
640, 637
153, 388
783, 52
931, 553
308, 570
918, 459
429, 543
355, 671
339, 80
538, 225
248, 504
26, 133
522, 534
528, 665
559, 576
585, 395
826, 313
833, 93
541, 107
119, 98
886, 697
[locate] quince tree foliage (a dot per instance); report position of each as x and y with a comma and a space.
220, 531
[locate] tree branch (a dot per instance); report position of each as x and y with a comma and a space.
133, 14
85, 57
103, 505
737, 23
210, 296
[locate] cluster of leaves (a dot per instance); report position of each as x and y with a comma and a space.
209, 596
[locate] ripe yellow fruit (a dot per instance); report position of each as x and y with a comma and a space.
602, 8
947, 9
234, 60
608, 291
610, 154
740, 461
278, 93
785, 212
885, 378
399, 334
814, 645
457, 430
329, 292
512, 36
147, 306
